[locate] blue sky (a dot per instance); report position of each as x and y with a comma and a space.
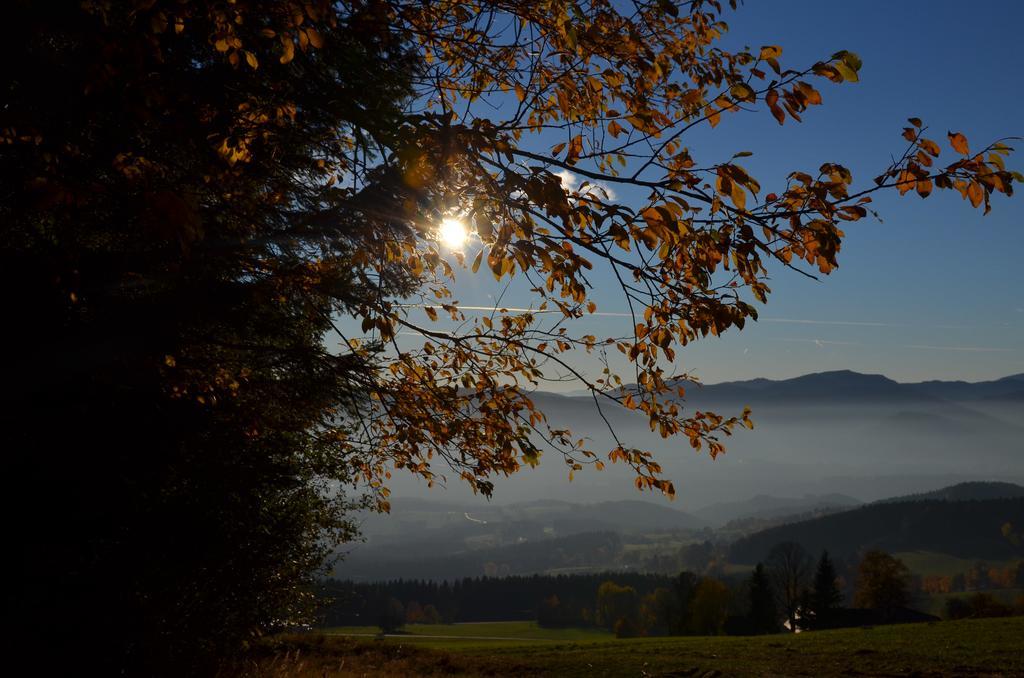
935, 273
935, 291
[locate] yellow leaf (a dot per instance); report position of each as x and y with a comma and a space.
739, 196
250, 59
742, 92
848, 73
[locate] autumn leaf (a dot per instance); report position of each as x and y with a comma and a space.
976, 193
315, 38
575, 150
289, 49
959, 143
772, 98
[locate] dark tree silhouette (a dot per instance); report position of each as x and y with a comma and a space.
883, 583
391, 616
684, 590
825, 595
764, 615
163, 226
789, 568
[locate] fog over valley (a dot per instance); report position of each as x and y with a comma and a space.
822, 443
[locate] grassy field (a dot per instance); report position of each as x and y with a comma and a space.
984, 647
927, 562
478, 634
935, 603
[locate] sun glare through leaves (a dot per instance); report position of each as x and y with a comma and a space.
452, 233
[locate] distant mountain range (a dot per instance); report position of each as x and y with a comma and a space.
841, 385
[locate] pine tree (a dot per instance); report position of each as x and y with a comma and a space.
764, 617
825, 596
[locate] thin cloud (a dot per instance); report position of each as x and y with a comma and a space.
571, 182
818, 342
803, 321
971, 349
859, 323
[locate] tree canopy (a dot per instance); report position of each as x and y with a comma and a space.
883, 582
219, 217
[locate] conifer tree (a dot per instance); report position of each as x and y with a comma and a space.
825, 595
764, 616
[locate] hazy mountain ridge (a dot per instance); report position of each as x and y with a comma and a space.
417, 526
963, 520
764, 506
968, 491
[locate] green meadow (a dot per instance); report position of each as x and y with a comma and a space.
477, 634
983, 647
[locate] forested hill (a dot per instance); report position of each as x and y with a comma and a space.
966, 491
967, 529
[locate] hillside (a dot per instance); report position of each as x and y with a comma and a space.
969, 529
588, 552
967, 491
446, 540
766, 507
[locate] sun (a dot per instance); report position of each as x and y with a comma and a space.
453, 233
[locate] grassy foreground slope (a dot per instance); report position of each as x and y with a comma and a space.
485, 634
983, 647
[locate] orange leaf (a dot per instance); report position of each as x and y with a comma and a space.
772, 99
315, 38
959, 142
575, 149
976, 193
289, 49
905, 182
929, 146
